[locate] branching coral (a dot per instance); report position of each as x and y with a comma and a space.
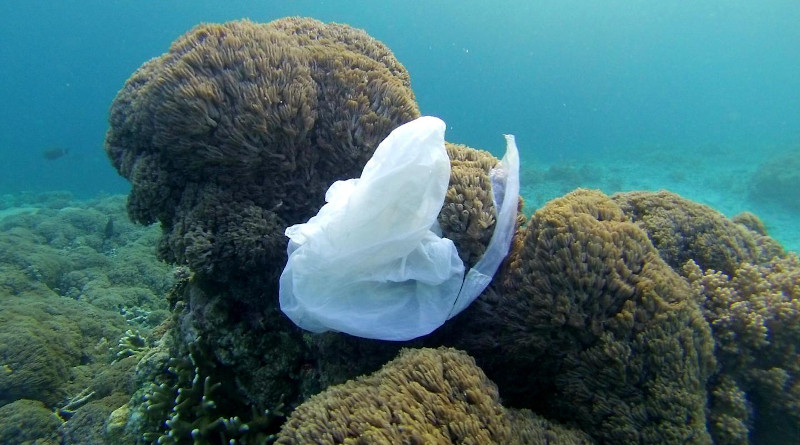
189, 398
730, 413
423, 396
130, 344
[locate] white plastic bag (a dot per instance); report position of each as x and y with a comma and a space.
372, 262
505, 192
368, 263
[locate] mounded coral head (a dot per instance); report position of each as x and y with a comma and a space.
751, 221
582, 257
28, 421
468, 214
423, 396
239, 128
777, 181
682, 230
604, 332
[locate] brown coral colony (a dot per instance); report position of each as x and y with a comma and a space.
636, 318
244, 115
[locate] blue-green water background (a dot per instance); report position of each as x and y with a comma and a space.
705, 90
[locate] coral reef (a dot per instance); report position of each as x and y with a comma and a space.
237, 131
682, 230
227, 139
467, 216
570, 372
755, 317
45, 341
69, 282
197, 407
28, 422
751, 221
604, 332
777, 181
67, 251
423, 396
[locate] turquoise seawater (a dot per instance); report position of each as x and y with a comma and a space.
103, 342
620, 95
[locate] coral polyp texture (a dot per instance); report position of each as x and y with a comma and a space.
681, 230
424, 396
468, 214
232, 135
637, 318
604, 332
71, 283
755, 316
237, 131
